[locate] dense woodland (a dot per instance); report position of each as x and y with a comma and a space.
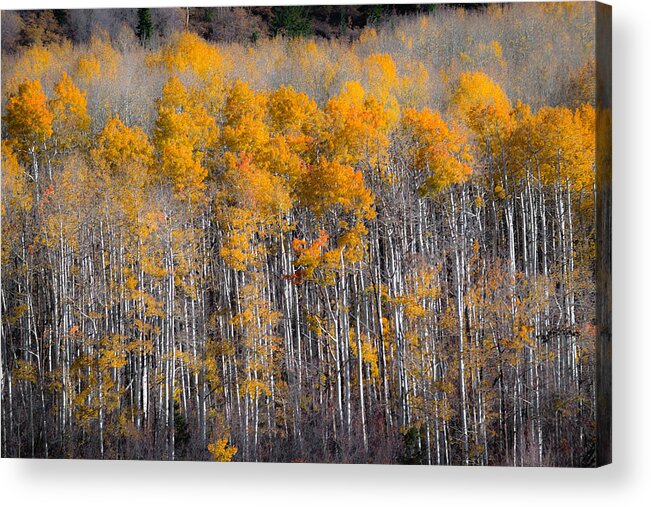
378, 250
217, 24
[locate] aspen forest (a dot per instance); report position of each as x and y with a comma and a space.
375, 246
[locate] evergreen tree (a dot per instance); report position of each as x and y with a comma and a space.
145, 27
292, 21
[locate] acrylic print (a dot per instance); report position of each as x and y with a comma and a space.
338, 234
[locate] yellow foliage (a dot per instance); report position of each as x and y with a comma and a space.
291, 112
358, 125
249, 135
187, 52
183, 167
368, 34
35, 62
221, 450
381, 71
557, 143
309, 257
87, 67
285, 156
183, 119
69, 109
28, 119
439, 151
26, 371
254, 388
412, 89
481, 104
254, 188
101, 50
184, 133
242, 101
15, 185
120, 147
332, 185
369, 354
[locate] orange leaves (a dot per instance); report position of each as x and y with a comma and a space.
242, 101
557, 143
358, 126
28, 119
481, 104
293, 113
254, 199
184, 132
70, 113
439, 151
329, 190
331, 185
120, 147
298, 245
254, 188
245, 112
309, 257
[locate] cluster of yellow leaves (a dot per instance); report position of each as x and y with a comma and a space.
26, 371
309, 257
91, 374
221, 450
38, 61
331, 185
257, 198
69, 109
441, 152
568, 142
255, 188
28, 119
184, 133
245, 112
369, 354
101, 50
358, 126
381, 75
87, 68
15, 185
481, 104
187, 51
413, 85
122, 150
555, 144
292, 113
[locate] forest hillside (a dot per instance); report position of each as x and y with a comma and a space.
376, 247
